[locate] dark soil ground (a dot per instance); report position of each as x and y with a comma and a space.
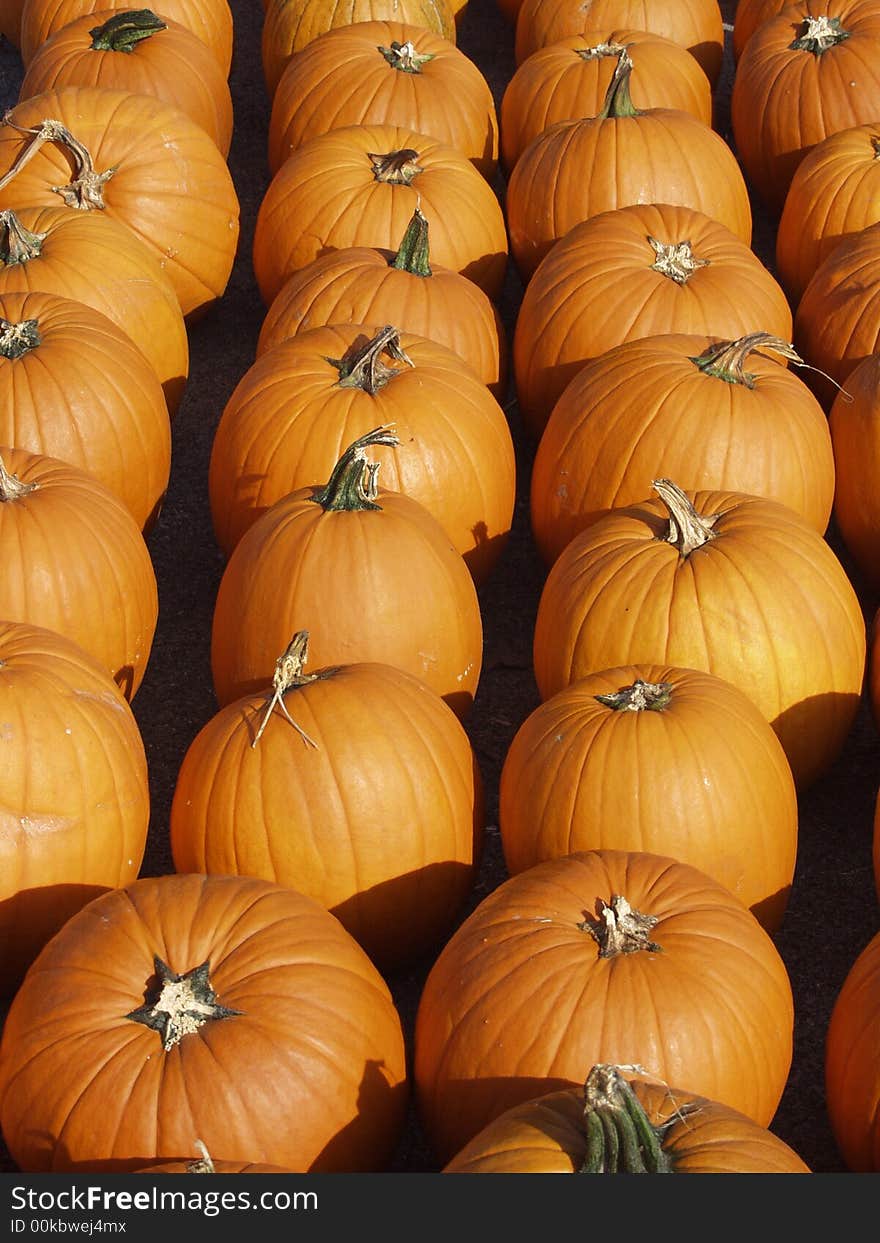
833, 910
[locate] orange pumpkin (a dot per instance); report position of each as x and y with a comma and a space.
655, 757
74, 789
384, 72
600, 956
748, 16
852, 1067
369, 572
855, 435
734, 584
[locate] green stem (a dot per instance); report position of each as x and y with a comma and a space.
16, 340
725, 360
124, 31
818, 34
620, 1137
412, 255
352, 485
618, 102
17, 244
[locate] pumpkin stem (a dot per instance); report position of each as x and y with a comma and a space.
18, 339
11, 487
178, 1005
17, 244
362, 366
687, 529
204, 1165
619, 929
352, 485
85, 190
618, 102
397, 168
620, 1138
818, 34
288, 674
412, 255
599, 50
404, 57
675, 260
123, 31
725, 360
639, 697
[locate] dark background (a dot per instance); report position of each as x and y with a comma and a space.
833, 910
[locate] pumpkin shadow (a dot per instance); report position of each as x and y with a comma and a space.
830, 717
29, 918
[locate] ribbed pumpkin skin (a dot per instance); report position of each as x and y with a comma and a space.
644, 410
855, 434
520, 1001
295, 222
372, 585
289, 25
835, 90
703, 779
74, 790
748, 16
577, 169
598, 288
833, 195
557, 83
358, 285
211, 20
313, 1073
695, 24
852, 1068
172, 186
546, 1136
342, 78
94, 259
392, 850
288, 421
766, 605
174, 65
837, 322
77, 563
86, 394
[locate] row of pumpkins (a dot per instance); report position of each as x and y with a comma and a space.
704, 646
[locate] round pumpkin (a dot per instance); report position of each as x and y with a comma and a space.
748, 16
219, 1007
616, 1125
855, 435
656, 758
392, 852
733, 584
96, 260
373, 285
623, 155
369, 572
143, 162
707, 413
384, 72
852, 1067
76, 562
359, 186
600, 956
74, 789
135, 50
74, 386
629, 273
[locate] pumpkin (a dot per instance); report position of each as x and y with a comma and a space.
74, 789
302, 402
223, 1007
569, 79
74, 386
748, 16
369, 572
733, 584
820, 53
708, 413
93, 259
143, 162
855, 435
694, 24
374, 285
633, 272
873, 671
656, 758
615, 1125
600, 956
210, 20
384, 72
290, 25
852, 1068
134, 50
393, 850
577, 169
76, 562
359, 186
